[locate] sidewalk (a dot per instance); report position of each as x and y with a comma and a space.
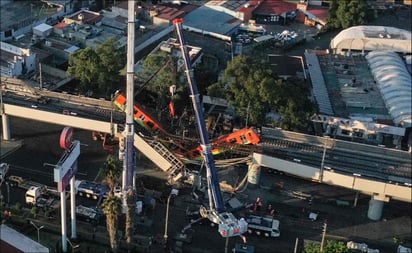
9, 146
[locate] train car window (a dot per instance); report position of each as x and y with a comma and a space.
196, 153
243, 138
142, 117
150, 124
233, 140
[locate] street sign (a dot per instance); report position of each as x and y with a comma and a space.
66, 168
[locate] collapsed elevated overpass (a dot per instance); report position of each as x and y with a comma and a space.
379, 191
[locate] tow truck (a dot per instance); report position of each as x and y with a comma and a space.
215, 211
45, 198
37, 194
21, 182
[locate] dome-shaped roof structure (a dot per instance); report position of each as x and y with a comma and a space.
394, 83
371, 38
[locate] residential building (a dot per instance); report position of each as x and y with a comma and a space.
83, 17
19, 17
16, 61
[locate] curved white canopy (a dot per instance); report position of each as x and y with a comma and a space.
370, 38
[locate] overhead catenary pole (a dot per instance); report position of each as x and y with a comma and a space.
128, 162
41, 79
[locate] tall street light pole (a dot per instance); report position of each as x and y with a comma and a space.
38, 230
173, 193
167, 220
8, 193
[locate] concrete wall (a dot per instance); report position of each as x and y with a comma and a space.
53, 71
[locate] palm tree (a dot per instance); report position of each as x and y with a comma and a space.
130, 215
112, 207
112, 169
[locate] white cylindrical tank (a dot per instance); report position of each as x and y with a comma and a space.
375, 209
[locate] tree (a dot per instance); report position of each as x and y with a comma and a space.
112, 169
344, 14
164, 70
112, 208
130, 215
34, 211
332, 21
112, 205
253, 90
163, 66
331, 246
98, 70
293, 104
83, 65
248, 85
111, 61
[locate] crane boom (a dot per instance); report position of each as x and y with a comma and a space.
229, 225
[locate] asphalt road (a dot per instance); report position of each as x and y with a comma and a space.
41, 146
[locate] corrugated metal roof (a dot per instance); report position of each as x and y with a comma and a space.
319, 88
210, 20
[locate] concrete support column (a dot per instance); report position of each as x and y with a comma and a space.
63, 220
6, 127
375, 209
253, 176
73, 207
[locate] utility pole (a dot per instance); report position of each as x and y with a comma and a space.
41, 80
323, 236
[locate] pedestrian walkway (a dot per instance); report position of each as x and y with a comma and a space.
9, 146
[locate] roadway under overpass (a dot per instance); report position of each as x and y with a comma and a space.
380, 192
